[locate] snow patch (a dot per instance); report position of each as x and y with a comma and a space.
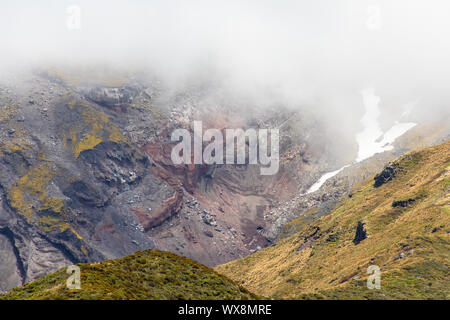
371, 140
316, 186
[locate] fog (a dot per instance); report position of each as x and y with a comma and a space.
314, 54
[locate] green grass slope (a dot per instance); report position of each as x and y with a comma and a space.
150, 274
406, 221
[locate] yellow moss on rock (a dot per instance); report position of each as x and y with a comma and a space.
32, 188
95, 128
14, 145
51, 204
86, 143
29, 195
7, 113
49, 223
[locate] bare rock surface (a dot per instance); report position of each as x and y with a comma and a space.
86, 174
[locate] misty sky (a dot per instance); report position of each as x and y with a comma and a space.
320, 52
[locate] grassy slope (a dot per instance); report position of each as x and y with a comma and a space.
335, 268
150, 274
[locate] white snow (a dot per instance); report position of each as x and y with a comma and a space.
371, 140
316, 186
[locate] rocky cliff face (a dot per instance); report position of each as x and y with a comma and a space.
86, 175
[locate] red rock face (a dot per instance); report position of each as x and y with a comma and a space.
180, 177
235, 197
151, 219
188, 174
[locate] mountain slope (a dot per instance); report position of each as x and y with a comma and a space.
86, 171
403, 219
150, 274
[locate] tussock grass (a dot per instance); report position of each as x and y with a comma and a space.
334, 267
150, 274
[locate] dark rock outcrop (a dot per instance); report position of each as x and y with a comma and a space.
388, 173
310, 239
112, 97
402, 203
360, 234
